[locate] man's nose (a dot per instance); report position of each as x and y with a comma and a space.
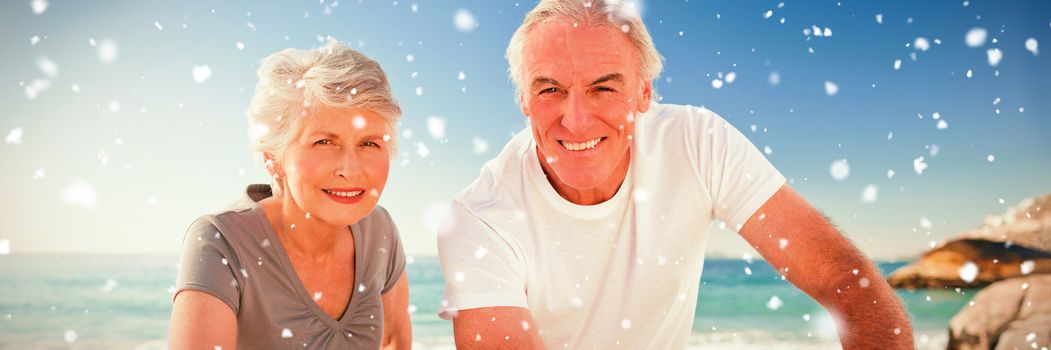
577, 114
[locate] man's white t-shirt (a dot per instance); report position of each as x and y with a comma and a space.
623, 273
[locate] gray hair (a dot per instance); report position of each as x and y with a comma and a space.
334, 75
616, 13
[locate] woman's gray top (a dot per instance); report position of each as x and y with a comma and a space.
236, 256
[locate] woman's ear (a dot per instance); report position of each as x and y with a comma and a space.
272, 166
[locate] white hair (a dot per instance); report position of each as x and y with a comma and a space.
334, 75
615, 13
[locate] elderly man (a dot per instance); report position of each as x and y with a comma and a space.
588, 230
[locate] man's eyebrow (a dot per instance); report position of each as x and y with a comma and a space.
544, 81
617, 77
322, 133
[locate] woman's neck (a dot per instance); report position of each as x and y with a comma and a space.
301, 233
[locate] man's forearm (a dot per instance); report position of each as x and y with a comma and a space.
868, 312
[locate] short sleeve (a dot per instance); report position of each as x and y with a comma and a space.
396, 263
207, 264
741, 179
480, 266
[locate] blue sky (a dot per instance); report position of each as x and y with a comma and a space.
119, 152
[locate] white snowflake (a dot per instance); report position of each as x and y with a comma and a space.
995, 56
436, 127
774, 303
919, 166
465, 21
839, 170
107, 50
831, 88
39, 6
480, 145
14, 137
1027, 267
47, 66
1032, 46
921, 44
201, 73
70, 336
422, 150
968, 272
976, 37
869, 194
79, 193
109, 286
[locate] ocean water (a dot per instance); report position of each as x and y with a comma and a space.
124, 302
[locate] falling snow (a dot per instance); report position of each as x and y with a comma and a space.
919, 166
921, 44
201, 73
831, 88
107, 51
79, 193
774, 303
480, 145
39, 6
976, 37
968, 272
1031, 45
839, 170
1027, 267
465, 21
14, 137
70, 336
436, 127
994, 55
869, 194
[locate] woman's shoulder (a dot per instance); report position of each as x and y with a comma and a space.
378, 222
236, 227
379, 234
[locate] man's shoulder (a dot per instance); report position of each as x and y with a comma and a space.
493, 179
675, 114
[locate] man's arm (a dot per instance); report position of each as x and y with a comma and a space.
500, 327
397, 326
806, 248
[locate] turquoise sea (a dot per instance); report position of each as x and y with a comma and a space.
124, 302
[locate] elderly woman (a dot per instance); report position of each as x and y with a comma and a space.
309, 261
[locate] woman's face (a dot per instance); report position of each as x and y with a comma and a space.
336, 165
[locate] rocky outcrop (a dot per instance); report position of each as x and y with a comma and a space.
1010, 314
1013, 244
947, 266
1027, 224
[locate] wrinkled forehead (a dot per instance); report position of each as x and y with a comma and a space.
560, 41
342, 121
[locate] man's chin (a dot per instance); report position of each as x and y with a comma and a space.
579, 179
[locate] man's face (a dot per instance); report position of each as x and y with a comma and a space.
582, 89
